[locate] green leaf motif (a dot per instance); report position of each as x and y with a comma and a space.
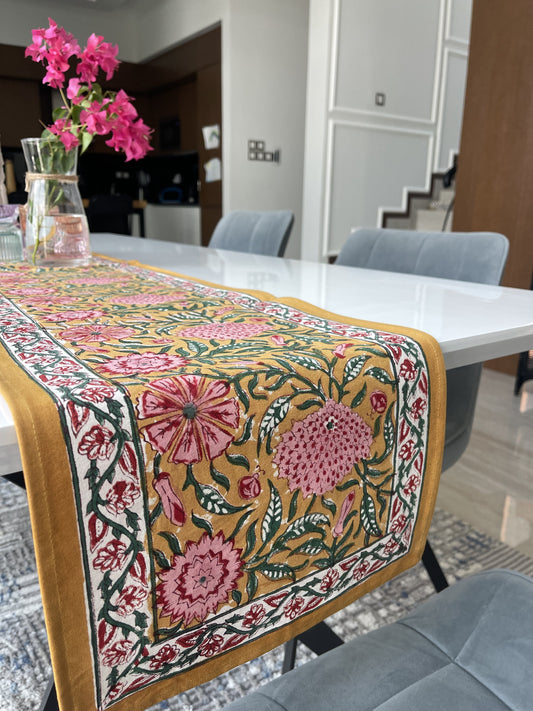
353, 367
277, 571
212, 500
246, 433
310, 547
381, 375
310, 523
251, 539
368, 515
251, 585
306, 361
200, 522
358, 399
275, 414
221, 479
161, 559
330, 505
273, 515
388, 431
237, 596
172, 541
238, 460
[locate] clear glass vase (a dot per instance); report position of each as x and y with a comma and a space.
56, 230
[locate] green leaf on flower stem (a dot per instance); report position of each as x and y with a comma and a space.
212, 500
353, 367
237, 596
306, 361
251, 539
273, 515
141, 620
275, 414
238, 460
330, 505
161, 559
221, 479
381, 375
200, 522
246, 433
310, 547
358, 399
309, 523
172, 541
86, 140
251, 585
293, 505
377, 426
243, 397
368, 515
277, 571
388, 431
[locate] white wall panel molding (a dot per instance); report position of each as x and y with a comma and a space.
417, 100
458, 18
367, 167
448, 134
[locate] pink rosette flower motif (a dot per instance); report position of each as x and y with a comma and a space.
378, 401
74, 315
211, 645
111, 557
143, 363
95, 333
166, 655
225, 331
121, 496
194, 417
254, 615
97, 391
199, 580
148, 299
130, 599
318, 452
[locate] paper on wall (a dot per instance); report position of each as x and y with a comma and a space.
213, 170
211, 136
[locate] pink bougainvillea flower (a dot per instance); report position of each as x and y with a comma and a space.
225, 331
53, 46
96, 444
143, 363
194, 417
318, 452
199, 580
171, 502
378, 401
97, 55
73, 90
96, 119
96, 333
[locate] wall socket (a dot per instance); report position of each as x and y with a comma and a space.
257, 151
380, 98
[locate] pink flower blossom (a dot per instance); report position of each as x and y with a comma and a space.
340, 349
97, 55
194, 417
95, 118
55, 46
278, 340
254, 615
318, 452
345, 509
225, 331
96, 444
199, 580
111, 557
134, 363
148, 299
97, 391
74, 315
171, 502
95, 333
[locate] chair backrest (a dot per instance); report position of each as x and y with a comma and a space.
255, 232
110, 213
466, 256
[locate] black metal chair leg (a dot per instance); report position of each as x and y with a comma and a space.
16, 478
49, 702
320, 639
432, 566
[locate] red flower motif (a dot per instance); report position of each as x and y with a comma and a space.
171, 502
321, 449
360, 571
95, 333
149, 299
250, 486
211, 645
166, 655
340, 349
97, 391
119, 653
194, 417
329, 580
122, 495
412, 484
130, 599
111, 557
399, 523
345, 509
378, 400
254, 615
74, 315
278, 340
418, 407
406, 450
294, 607
407, 369
199, 580
96, 444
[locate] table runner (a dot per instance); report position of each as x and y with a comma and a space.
209, 471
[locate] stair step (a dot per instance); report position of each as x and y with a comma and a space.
431, 220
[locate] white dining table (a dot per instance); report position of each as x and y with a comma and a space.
471, 322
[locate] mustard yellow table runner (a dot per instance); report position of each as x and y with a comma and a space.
210, 472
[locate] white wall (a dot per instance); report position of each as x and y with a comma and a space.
360, 158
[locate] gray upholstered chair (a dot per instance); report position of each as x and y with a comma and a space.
468, 648
465, 256
254, 232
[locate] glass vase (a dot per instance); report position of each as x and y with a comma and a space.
56, 230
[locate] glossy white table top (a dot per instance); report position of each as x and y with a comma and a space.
471, 322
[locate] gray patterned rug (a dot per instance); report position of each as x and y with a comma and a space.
24, 660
